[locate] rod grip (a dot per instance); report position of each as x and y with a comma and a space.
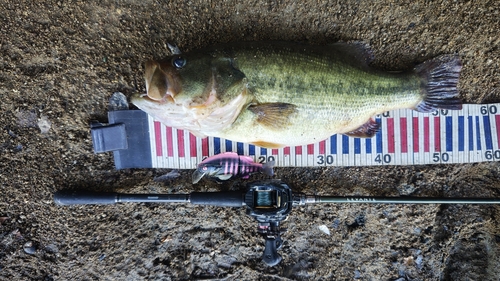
221, 199
76, 197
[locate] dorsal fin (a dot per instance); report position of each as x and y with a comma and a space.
355, 53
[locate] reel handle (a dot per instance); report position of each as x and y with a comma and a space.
271, 256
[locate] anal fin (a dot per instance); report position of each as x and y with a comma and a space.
367, 130
266, 144
275, 115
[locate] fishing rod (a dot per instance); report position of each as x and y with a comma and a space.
267, 201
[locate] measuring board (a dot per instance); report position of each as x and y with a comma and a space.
406, 137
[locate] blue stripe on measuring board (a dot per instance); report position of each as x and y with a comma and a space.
239, 148
229, 145
333, 144
461, 133
378, 136
251, 149
357, 146
449, 134
471, 135
487, 132
478, 134
217, 149
345, 144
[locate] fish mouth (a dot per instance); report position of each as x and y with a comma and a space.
160, 85
202, 113
163, 87
197, 176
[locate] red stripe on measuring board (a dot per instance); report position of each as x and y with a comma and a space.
406, 137
180, 143
437, 136
193, 152
403, 135
204, 147
427, 134
310, 149
158, 140
298, 150
416, 135
170, 142
322, 145
390, 135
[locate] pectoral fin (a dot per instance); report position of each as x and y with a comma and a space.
367, 130
275, 115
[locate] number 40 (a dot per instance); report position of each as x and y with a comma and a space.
386, 158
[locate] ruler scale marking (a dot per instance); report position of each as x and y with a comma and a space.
406, 137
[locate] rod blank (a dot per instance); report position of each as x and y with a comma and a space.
403, 200
235, 199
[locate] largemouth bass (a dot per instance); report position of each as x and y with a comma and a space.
275, 94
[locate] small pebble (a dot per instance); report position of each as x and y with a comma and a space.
118, 101
168, 176
324, 229
417, 230
419, 261
12, 134
44, 124
358, 222
51, 248
336, 223
29, 248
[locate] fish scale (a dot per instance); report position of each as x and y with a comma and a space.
311, 79
406, 137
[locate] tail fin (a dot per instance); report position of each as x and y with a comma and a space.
440, 83
267, 168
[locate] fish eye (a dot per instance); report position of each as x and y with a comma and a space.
178, 62
204, 168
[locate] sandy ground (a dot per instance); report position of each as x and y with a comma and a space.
60, 61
